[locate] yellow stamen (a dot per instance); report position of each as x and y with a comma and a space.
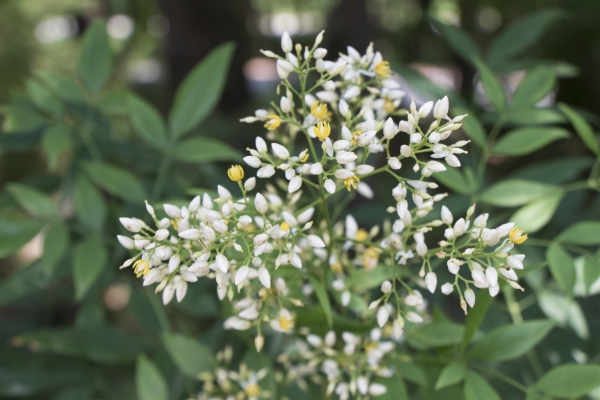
236, 173
383, 69
337, 267
322, 130
370, 258
350, 183
252, 390
516, 235
355, 135
318, 110
174, 222
286, 322
141, 267
388, 106
273, 122
303, 156
284, 226
361, 235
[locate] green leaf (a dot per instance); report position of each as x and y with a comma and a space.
436, 334
570, 380
76, 393
451, 374
197, 150
98, 344
90, 206
491, 85
584, 233
583, 129
535, 215
89, 260
458, 39
472, 126
510, 341
16, 232
96, 58
396, 389
115, 104
43, 99
33, 201
475, 316
514, 192
55, 244
200, 90
478, 388
561, 266
591, 270
453, 179
523, 141
555, 171
147, 122
410, 372
62, 86
519, 36
117, 181
537, 83
535, 116
190, 356
563, 310
55, 141
150, 383
321, 293
21, 118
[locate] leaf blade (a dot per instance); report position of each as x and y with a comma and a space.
96, 59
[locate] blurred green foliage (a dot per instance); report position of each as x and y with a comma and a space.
74, 327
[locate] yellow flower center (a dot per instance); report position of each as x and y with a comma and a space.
388, 106
273, 122
284, 226
383, 69
303, 156
355, 135
141, 267
322, 130
236, 173
516, 235
174, 222
286, 322
252, 390
318, 110
370, 258
361, 235
350, 183
337, 267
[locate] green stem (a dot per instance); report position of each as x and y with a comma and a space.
161, 177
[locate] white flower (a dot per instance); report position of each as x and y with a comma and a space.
453, 265
250, 184
260, 203
320, 53
515, 261
494, 289
280, 151
172, 211
425, 109
452, 161
252, 161
295, 184
435, 166
286, 42
366, 138
470, 297
264, 277
414, 317
222, 263
315, 241
386, 286
289, 219
479, 278
508, 273
241, 274
343, 174
364, 169
236, 323
174, 262
447, 215
340, 145
459, 227
394, 163
330, 186
260, 239
389, 129
431, 281
168, 293
266, 172
316, 169
346, 297
405, 150
190, 234
343, 108
492, 276
131, 224
447, 288
345, 157
305, 216
383, 315
441, 108
126, 242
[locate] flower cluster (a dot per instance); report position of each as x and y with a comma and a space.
349, 365
291, 244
